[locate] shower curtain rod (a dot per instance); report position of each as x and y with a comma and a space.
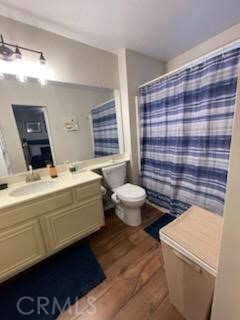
229, 46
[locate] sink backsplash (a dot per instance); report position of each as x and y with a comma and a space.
87, 164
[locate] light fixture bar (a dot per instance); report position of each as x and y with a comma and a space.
17, 46
10, 52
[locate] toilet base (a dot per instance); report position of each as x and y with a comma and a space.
130, 216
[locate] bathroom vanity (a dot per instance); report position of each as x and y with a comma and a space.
40, 218
66, 125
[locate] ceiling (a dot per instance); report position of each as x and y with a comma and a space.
158, 28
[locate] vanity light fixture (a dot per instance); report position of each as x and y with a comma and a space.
42, 59
12, 53
18, 54
6, 53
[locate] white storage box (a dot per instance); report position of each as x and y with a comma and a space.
191, 246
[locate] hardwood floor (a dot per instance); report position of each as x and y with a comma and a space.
136, 286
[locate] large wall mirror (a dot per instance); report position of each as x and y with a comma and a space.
56, 123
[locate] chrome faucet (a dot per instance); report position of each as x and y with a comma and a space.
32, 176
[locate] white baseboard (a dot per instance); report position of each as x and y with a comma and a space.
164, 210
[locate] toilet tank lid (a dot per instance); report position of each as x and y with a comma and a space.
114, 166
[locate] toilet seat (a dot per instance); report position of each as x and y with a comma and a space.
130, 192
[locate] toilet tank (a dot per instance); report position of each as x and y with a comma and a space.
115, 175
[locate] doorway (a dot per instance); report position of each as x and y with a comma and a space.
33, 133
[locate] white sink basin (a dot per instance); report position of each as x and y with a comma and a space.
32, 188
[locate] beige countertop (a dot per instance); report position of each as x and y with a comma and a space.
103, 162
63, 181
196, 234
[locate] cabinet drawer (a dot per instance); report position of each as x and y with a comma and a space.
35, 208
20, 247
88, 191
68, 226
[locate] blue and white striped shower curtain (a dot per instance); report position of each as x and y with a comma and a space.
105, 130
186, 125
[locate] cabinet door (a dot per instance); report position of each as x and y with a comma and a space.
190, 287
20, 247
66, 227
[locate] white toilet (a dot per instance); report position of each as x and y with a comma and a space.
128, 197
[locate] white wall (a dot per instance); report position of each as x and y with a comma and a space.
3, 167
123, 81
211, 44
227, 293
134, 70
71, 61
62, 104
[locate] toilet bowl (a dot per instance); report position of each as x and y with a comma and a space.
128, 198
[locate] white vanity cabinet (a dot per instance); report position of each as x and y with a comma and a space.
21, 245
35, 229
65, 226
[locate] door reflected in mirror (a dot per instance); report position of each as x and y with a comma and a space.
33, 134
56, 123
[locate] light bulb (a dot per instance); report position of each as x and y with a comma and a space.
19, 70
21, 78
42, 81
42, 70
42, 78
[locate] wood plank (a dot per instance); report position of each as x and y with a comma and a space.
118, 251
138, 237
133, 257
143, 305
122, 289
166, 311
135, 287
146, 250
105, 239
101, 247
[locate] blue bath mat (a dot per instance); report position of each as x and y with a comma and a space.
154, 228
59, 281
